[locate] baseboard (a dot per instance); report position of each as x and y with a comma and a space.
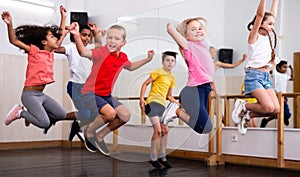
40, 144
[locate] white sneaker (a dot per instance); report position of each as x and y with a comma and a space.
239, 107
170, 113
243, 125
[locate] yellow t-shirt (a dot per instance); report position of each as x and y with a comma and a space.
249, 100
162, 82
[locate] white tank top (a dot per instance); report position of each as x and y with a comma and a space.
259, 52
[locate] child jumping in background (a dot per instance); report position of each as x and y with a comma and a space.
39, 42
108, 61
261, 60
162, 81
80, 68
281, 79
193, 98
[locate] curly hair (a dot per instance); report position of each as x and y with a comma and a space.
33, 34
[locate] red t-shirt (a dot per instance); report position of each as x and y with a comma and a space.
105, 71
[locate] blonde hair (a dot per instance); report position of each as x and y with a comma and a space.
118, 27
182, 28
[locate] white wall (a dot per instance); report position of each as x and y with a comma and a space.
290, 29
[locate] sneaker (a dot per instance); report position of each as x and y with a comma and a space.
88, 143
75, 128
80, 135
239, 107
27, 123
52, 123
13, 114
165, 163
242, 126
101, 146
263, 123
170, 113
286, 122
155, 164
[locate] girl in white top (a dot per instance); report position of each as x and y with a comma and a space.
261, 60
80, 69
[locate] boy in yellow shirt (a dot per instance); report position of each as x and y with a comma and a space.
162, 81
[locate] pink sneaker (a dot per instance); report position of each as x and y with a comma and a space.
13, 114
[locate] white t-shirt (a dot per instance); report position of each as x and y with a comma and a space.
260, 53
80, 67
280, 81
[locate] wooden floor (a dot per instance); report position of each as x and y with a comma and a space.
57, 162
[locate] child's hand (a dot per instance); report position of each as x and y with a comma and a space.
95, 29
142, 104
73, 29
63, 11
244, 57
150, 54
290, 66
6, 17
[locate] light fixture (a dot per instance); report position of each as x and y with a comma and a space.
38, 2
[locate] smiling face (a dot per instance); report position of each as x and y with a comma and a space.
268, 23
115, 40
85, 36
195, 31
169, 63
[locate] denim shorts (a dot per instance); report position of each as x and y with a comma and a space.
153, 109
256, 79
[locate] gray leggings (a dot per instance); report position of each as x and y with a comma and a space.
40, 108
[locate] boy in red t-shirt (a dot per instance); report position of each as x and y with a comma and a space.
108, 61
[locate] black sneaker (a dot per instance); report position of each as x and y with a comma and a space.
52, 123
263, 123
75, 129
88, 143
101, 146
155, 164
286, 122
165, 163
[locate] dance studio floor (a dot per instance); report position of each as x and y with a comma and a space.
56, 162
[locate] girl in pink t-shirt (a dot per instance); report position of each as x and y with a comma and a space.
190, 36
39, 42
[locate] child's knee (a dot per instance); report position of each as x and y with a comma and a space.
110, 115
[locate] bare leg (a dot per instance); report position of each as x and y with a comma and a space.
164, 139
267, 103
122, 117
107, 114
155, 136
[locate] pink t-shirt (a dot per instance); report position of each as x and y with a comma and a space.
199, 62
40, 67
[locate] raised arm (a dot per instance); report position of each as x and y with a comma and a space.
74, 29
274, 8
64, 32
233, 65
292, 73
142, 93
138, 64
259, 18
179, 39
98, 34
6, 17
